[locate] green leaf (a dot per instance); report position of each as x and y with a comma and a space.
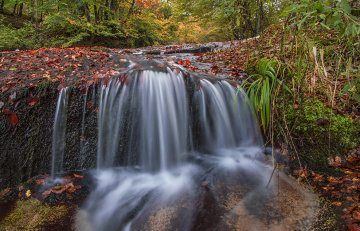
346, 7
288, 10
322, 24
357, 98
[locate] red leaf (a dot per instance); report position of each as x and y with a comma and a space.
181, 62
13, 118
33, 101
232, 83
187, 61
5, 192
91, 102
6, 111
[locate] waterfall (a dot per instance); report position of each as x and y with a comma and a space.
168, 144
59, 134
143, 121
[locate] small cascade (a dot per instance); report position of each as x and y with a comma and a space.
143, 121
59, 134
222, 124
170, 147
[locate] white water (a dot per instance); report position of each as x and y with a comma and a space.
59, 134
158, 150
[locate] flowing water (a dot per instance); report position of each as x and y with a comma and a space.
59, 134
173, 153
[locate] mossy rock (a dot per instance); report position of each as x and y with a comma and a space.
33, 215
319, 134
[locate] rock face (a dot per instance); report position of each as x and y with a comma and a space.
25, 148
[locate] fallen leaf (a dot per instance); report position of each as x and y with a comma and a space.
78, 176
356, 215
59, 191
5, 192
337, 203
13, 118
69, 196
28, 193
338, 159
353, 227
6, 111
33, 101
21, 188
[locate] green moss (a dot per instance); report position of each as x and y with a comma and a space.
32, 215
311, 126
343, 131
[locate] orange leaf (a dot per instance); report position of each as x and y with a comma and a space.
356, 215
69, 196
47, 192
337, 203
33, 101
13, 118
5, 192
78, 176
353, 227
338, 159
59, 191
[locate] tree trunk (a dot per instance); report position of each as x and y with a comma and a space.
87, 12
131, 8
14, 11
2, 6
106, 11
21, 9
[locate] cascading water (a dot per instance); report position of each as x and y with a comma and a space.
173, 153
59, 134
143, 121
168, 140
